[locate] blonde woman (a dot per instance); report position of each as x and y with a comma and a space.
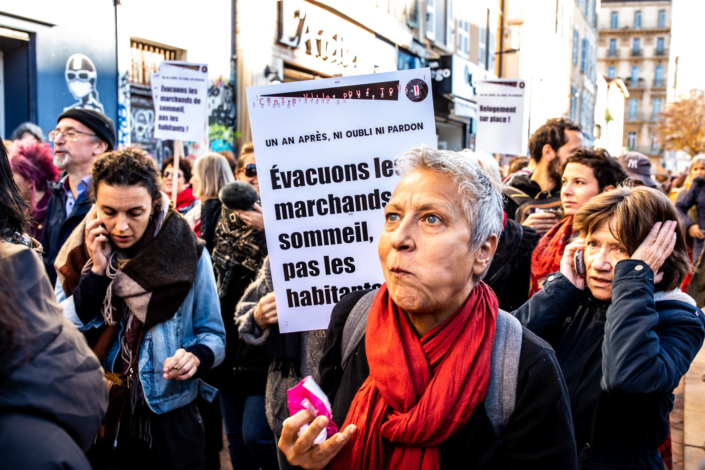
210, 173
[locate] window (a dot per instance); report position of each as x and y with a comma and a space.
573, 103
613, 48
637, 19
611, 72
450, 25
614, 20
576, 40
482, 47
659, 46
658, 76
633, 107
662, 18
635, 75
635, 46
464, 37
655, 109
583, 55
631, 140
431, 19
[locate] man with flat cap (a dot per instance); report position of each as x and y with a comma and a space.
81, 135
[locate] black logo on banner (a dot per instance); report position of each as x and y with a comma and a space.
416, 90
385, 91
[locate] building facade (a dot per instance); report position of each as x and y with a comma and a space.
551, 45
290, 40
610, 98
634, 46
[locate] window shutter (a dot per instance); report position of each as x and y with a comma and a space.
450, 26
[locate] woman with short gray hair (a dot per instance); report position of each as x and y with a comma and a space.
426, 371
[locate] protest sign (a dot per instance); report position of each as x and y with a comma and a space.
500, 116
180, 93
325, 153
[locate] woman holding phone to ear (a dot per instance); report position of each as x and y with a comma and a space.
586, 173
624, 334
145, 298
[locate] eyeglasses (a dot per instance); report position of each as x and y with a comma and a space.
81, 75
169, 174
250, 170
69, 134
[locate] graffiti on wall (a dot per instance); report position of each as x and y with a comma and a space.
221, 116
141, 125
81, 80
124, 111
136, 121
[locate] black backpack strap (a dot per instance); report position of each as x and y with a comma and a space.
355, 325
501, 392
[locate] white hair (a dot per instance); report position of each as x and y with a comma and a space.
486, 161
480, 195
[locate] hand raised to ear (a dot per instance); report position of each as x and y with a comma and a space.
658, 246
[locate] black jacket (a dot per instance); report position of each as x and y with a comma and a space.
58, 226
621, 361
538, 434
522, 195
243, 372
509, 275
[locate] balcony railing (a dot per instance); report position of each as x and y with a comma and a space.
635, 84
637, 53
661, 52
659, 84
612, 53
641, 116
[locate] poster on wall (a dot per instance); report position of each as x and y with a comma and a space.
82, 81
325, 156
500, 116
180, 94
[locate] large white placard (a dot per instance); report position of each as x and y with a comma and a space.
325, 152
500, 116
180, 94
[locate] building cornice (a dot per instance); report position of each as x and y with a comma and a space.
634, 32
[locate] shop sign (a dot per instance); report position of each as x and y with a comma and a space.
457, 76
319, 33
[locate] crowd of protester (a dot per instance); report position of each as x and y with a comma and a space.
553, 337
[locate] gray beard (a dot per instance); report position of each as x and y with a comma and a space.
60, 162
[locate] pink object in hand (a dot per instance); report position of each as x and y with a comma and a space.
307, 395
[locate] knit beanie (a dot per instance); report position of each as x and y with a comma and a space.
96, 121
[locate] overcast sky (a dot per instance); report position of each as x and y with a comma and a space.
688, 42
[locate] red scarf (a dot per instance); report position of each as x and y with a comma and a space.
420, 391
184, 198
549, 252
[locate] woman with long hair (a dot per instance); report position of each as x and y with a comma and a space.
32, 165
210, 173
40, 426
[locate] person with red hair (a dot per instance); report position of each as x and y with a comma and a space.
32, 165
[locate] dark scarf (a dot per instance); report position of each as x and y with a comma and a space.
152, 285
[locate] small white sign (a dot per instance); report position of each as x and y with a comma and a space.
180, 94
500, 116
325, 152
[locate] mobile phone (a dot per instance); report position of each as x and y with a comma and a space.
579, 262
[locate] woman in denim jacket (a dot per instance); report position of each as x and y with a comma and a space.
141, 288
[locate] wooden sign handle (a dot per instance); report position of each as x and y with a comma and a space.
178, 149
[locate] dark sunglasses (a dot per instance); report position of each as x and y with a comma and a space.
250, 170
81, 75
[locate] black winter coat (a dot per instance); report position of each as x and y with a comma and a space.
538, 433
509, 275
58, 227
243, 372
621, 361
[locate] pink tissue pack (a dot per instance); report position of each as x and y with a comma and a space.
307, 395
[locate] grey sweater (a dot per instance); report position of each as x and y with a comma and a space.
311, 348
